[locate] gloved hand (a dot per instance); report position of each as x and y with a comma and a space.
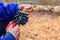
14, 31
25, 8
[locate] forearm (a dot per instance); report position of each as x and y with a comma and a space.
8, 36
8, 11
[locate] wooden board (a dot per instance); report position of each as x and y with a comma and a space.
42, 2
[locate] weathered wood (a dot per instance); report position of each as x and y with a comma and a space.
47, 8
41, 2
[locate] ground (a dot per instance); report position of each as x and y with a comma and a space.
41, 26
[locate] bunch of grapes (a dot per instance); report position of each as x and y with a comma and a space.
21, 18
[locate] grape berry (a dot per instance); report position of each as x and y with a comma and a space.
22, 17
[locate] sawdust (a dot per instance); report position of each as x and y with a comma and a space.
41, 26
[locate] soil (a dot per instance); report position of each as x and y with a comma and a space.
41, 26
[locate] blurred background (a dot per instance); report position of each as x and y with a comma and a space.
41, 2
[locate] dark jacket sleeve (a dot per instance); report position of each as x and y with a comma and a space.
8, 36
8, 11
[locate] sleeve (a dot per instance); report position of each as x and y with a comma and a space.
8, 36
8, 11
